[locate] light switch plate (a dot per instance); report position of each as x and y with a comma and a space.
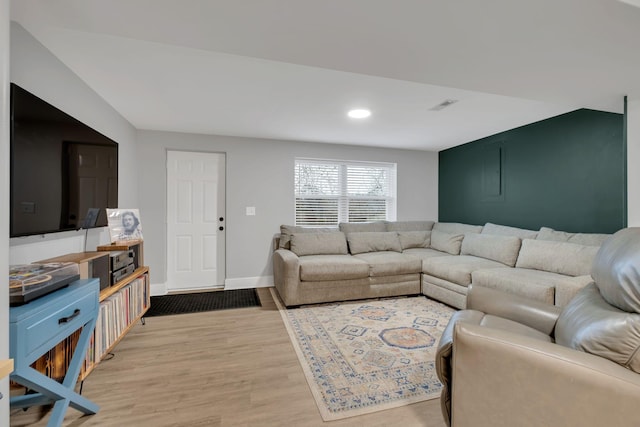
251, 210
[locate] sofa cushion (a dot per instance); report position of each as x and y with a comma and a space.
287, 230
414, 239
503, 249
456, 269
446, 242
557, 257
587, 239
390, 263
362, 242
505, 230
568, 288
535, 284
410, 225
358, 227
588, 323
332, 267
319, 243
456, 227
616, 270
424, 253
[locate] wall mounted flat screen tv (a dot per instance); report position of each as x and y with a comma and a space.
61, 169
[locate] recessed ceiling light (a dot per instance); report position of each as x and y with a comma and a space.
359, 113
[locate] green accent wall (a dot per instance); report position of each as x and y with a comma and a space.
567, 173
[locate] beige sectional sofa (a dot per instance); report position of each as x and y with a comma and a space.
439, 260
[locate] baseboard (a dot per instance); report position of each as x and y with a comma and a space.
158, 289
248, 282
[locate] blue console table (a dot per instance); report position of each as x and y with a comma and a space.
35, 328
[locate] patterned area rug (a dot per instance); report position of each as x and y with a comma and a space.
365, 356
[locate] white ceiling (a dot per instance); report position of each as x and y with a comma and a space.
290, 69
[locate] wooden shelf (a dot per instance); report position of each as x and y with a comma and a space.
6, 367
106, 293
97, 264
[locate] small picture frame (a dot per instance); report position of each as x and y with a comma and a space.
124, 224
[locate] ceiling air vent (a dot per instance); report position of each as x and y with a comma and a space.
444, 104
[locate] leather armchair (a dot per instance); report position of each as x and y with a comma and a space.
510, 361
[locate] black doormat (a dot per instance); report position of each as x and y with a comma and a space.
202, 301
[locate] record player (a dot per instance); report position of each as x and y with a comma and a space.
30, 281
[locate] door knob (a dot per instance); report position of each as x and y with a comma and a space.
221, 228
221, 219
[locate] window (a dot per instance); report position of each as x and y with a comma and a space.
328, 192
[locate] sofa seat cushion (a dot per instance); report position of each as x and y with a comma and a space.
389, 263
535, 284
424, 253
456, 269
332, 267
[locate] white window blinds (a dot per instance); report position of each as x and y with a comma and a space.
328, 192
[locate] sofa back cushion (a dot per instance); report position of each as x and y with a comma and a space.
556, 257
333, 243
502, 249
446, 242
505, 230
587, 239
588, 323
373, 241
359, 227
414, 239
287, 230
410, 225
456, 228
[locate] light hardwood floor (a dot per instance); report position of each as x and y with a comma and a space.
221, 368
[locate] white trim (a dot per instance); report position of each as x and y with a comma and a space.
248, 282
158, 289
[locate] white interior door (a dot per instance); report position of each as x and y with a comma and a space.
196, 220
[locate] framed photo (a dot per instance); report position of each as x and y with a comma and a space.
124, 224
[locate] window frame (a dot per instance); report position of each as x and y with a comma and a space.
343, 197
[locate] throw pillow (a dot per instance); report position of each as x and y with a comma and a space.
556, 257
503, 249
373, 242
446, 242
414, 239
319, 243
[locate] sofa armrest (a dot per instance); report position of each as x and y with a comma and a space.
534, 314
286, 275
569, 288
505, 379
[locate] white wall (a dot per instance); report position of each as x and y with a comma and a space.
633, 162
34, 68
260, 174
4, 194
